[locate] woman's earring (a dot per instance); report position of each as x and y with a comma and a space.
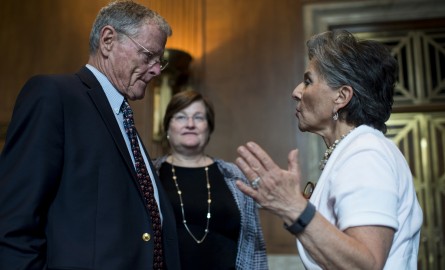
168, 137
335, 116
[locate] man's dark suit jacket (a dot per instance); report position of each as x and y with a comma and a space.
69, 198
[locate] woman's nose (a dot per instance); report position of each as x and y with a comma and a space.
296, 94
190, 121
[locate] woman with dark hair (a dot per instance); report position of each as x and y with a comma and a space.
218, 226
363, 213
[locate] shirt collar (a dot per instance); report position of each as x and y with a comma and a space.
115, 98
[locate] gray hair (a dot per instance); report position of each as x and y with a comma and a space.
125, 17
365, 65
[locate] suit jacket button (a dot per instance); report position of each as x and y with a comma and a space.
146, 237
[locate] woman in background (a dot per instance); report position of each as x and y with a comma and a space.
218, 226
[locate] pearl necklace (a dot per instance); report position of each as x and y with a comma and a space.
209, 201
330, 149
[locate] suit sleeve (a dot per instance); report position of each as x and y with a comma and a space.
30, 168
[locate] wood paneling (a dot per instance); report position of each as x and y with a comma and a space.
254, 55
45, 36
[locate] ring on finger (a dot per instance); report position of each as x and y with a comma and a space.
256, 183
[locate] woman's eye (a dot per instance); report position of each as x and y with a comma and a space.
180, 118
199, 118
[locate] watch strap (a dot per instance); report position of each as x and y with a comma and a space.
303, 220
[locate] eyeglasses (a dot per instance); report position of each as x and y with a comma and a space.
183, 119
150, 56
308, 189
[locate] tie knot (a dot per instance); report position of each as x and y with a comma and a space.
126, 109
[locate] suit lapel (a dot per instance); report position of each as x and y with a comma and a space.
103, 106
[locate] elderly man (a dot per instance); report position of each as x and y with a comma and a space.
77, 189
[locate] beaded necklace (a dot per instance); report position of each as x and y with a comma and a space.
209, 201
330, 149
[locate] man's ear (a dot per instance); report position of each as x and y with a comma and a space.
108, 36
345, 94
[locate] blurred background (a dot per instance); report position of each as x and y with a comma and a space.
247, 57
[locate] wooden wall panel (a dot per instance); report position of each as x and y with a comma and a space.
186, 20
254, 57
45, 36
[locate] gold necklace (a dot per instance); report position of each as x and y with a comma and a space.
330, 149
209, 201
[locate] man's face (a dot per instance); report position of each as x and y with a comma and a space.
130, 65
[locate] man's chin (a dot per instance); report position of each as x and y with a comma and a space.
137, 94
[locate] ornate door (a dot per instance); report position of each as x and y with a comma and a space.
421, 138
417, 126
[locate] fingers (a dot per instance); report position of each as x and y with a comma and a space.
254, 161
249, 191
245, 168
261, 155
270, 186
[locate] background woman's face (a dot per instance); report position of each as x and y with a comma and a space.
188, 129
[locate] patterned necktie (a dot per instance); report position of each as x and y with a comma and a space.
145, 183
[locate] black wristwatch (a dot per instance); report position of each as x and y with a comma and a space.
303, 220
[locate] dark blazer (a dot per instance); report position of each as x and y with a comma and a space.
69, 198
